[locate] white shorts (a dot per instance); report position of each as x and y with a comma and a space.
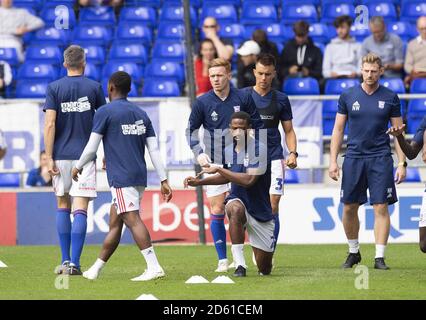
63, 182
215, 190
422, 220
277, 177
261, 234
127, 199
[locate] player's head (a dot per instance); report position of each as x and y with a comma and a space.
240, 123
265, 71
119, 85
220, 74
372, 68
378, 28
343, 26
75, 59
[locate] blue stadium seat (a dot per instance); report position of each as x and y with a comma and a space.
394, 84
320, 32
92, 71
413, 175
37, 71
31, 4
10, 56
169, 50
234, 31
50, 36
236, 3
411, 11
321, 46
170, 31
301, 86
134, 33
131, 68
92, 35
100, 16
290, 176
128, 52
337, 86
416, 112
9, 180
276, 32
44, 54
160, 88
276, 3
405, 30
329, 110
146, 3
331, 11
31, 89
359, 32
194, 3
173, 12
258, 13
59, 2
418, 85
166, 70
133, 89
366, 2
51, 14
95, 54
223, 13
294, 12
385, 9
144, 15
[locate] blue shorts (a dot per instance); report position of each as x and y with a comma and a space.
376, 174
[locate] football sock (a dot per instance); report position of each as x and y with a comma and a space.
63, 226
238, 255
380, 250
217, 226
277, 227
353, 246
78, 235
151, 259
98, 265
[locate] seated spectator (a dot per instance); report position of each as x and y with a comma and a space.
224, 47
3, 145
415, 58
40, 177
247, 57
5, 76
14, 23
342, 55
266, 46
387, 46
116, 4
300, 57
207, 53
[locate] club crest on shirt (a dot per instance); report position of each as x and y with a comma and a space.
214, 116
381, 104
237, 108
356, 106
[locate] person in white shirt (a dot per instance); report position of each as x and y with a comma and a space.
415, 58
3, 145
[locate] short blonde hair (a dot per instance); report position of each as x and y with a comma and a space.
372, 59
220, 62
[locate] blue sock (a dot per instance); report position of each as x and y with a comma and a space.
78, 235
217, 227
277, 227
63, 226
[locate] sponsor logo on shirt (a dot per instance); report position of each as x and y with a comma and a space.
134, 129
266, 117
236, 108
381, 104
214, 116
81, 105
356, 106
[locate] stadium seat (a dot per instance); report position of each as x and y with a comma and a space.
224, 14
258, 13
92, 71
331, 11
321, 46
10, 56
337, 86
37, 71
174, 12
276, 32
384, 9
92, 35
301, 86
59, 2
236, 3
405, 30
169, 51
194, 3
133, 89
359, 32
134, 33
44, 54
170, 31
146, 3
329, 110
418, 85
413, 175
100, 16
31, 89
290, 176
9, 180
235, 31
415, 113
294, 12
128, 52
411, 11
95, 54
50, 36
145, 15
28, 4
394, 84
131, 68
366, 2
160, 88
320, 32
50, 16
166, 70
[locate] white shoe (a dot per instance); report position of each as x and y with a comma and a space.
222, 266
91, 274
150, 275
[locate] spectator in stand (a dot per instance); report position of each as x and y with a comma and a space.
116, 4
5, 76
40, 177
206, 54
266, 46
224, 47
247, 57
3, 145
342, 55
415, 58
387, 46
300, 57
14, 23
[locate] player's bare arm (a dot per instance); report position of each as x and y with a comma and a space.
411, 150
336, 144
401, 171
291, 142
49, 139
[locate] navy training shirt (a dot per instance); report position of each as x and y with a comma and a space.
125, 128
284, 113
75, 100
418, 137
368, 119
212, 113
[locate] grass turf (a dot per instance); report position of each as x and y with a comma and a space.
301, 272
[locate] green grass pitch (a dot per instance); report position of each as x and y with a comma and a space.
301, 272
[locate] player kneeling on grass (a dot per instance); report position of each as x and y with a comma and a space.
125, 129
248, 205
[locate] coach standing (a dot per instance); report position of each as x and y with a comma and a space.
368, 163
70, 106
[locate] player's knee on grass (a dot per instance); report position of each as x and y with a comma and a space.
263, 261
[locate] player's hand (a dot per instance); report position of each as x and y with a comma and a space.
400, 174
293, 69
396, 131
291, 161
204, 160
166, 191
51, 167
103, 164
334, 171
191, 182
75, 172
